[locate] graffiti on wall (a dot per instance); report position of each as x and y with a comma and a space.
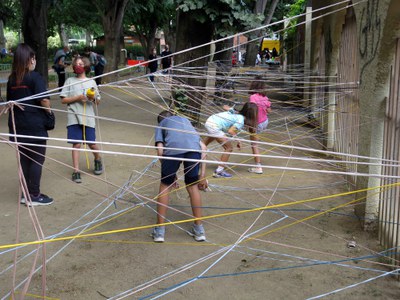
369, 33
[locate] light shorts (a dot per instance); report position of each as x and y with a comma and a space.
212, 130
75, 132
262, 126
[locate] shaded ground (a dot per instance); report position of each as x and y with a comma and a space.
281, 258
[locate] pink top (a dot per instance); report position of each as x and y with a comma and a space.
263, 103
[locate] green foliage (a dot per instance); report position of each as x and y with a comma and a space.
10, 13
6, 60
53, 42
282, 11
135, 50
229, 16
296, 8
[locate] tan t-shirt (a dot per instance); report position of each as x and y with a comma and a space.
78, 113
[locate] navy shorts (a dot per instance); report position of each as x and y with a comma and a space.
75, 132
170, 167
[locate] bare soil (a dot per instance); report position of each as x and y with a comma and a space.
288, 252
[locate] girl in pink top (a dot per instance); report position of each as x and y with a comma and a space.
257, 96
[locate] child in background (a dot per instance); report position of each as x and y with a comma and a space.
174, 132
229, 122
81, 95
257, 96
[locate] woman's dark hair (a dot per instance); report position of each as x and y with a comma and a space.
257, 86
250, 113
164, 114
20, 66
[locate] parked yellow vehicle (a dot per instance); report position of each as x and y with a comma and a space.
271, 44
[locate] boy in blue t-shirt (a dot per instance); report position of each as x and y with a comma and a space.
178, 133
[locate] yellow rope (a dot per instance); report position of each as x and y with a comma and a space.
203, 218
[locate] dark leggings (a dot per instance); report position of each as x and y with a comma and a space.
32, 159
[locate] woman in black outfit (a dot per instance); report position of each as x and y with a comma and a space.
29, 118
153, 65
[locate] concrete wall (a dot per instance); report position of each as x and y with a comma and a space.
378, 23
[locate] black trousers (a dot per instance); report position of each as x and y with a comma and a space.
61, 77
32, 159
98, 70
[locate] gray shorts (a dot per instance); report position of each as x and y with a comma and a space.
262, 126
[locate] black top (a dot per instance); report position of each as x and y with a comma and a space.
166, 61
31, 120
152, 65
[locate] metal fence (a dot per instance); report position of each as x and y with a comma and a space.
347, 97
389, 210
5, 70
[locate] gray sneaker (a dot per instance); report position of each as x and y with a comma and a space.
198, 233
158, 234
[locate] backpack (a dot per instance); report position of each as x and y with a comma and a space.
56, 65
101, 59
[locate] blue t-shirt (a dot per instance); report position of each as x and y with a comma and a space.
226, 120
177, 138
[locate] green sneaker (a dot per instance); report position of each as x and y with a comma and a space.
98, 167
76, 177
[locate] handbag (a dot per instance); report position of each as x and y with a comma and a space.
50, 121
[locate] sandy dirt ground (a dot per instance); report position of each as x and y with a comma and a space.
296, 250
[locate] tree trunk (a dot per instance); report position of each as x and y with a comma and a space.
151, 38
271, 12
222, 55
2, 37
192, 33
88, 38
253, 47
112, 23
63, 34
170, 37
34, 30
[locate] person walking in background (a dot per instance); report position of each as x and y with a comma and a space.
98, 62
229, 123
257, 96
166, 62
29, 120
81, 95
60, 64
177, 132
153, 64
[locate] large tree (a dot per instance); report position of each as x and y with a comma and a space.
64, 17
200, 21
6, 13
144, 17
259, 9
34, 30
112, 14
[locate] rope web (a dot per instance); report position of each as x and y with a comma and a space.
273, 230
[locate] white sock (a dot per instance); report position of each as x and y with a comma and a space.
219, 169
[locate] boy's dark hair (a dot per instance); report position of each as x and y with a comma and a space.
257, 86
163, 115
